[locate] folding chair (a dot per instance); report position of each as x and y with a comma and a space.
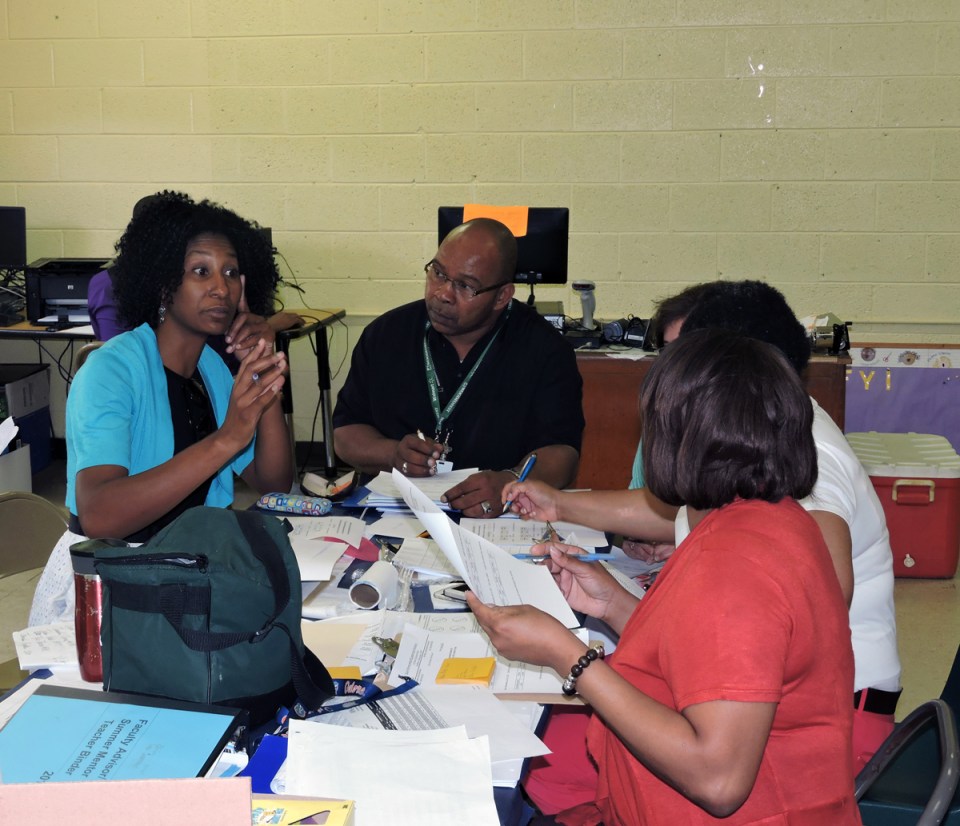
913, 778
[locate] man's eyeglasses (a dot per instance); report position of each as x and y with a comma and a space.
461, 288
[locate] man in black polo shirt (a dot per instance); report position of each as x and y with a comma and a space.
467, 376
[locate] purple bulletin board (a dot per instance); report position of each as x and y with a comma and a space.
902, 390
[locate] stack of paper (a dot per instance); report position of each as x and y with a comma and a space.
386, 495
448, 777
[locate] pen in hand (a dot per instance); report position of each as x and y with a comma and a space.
582, 557
524, 473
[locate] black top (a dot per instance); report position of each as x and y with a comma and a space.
526, 394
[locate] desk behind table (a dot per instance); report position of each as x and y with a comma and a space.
611, 407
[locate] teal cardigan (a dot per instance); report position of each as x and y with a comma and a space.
118, 412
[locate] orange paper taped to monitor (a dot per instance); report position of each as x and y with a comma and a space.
513, 217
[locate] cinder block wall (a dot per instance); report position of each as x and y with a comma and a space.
813, 143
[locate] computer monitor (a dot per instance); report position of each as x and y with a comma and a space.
541, 252
13, 237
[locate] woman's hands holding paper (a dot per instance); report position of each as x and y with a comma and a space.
588, 588
527, 634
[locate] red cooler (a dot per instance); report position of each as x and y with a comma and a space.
917, 477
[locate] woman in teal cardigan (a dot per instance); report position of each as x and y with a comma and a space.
155, 421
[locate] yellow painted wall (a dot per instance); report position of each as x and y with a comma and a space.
813, 143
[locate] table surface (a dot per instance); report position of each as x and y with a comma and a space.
24, 329
314, 319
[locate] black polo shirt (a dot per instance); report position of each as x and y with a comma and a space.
525, 394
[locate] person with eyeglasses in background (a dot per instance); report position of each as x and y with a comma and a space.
465, 376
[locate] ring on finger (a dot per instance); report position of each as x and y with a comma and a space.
404, 468
255, 377
486, 507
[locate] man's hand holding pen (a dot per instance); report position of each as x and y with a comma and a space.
416, 455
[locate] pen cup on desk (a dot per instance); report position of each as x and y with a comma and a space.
87, 615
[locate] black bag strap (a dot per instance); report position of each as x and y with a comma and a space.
311, 680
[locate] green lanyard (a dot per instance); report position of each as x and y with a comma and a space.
433, 384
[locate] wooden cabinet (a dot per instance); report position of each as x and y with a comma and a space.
611, 398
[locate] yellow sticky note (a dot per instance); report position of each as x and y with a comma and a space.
466, 671
345, 672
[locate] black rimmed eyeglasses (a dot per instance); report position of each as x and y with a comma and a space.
461, 288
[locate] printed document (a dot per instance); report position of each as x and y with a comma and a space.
507, 533
492, 573
422, 652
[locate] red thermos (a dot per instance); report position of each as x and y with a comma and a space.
87, 615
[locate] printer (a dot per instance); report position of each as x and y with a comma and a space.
57, 289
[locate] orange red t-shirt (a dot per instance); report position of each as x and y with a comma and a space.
748, 609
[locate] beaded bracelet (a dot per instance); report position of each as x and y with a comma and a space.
594, 652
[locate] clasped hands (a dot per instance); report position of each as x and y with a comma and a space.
248, 328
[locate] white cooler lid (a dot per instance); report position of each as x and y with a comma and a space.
905, 454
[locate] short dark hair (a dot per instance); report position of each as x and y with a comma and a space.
503, 239
725, 416
754, 309
151, 251
674, 308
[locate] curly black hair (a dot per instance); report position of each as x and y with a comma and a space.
151, 251
754, 309
673, 308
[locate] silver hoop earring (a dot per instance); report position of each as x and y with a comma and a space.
163, 313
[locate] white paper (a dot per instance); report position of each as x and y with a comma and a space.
425, 557
347, 528
317, 557
506, 533
422, 653
365, 653
326, 599
433, 487
427, 707
494, 575
507, 773
7, 431
402, 778
396, 524
46, 645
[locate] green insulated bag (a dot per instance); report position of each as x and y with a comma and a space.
208, 611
